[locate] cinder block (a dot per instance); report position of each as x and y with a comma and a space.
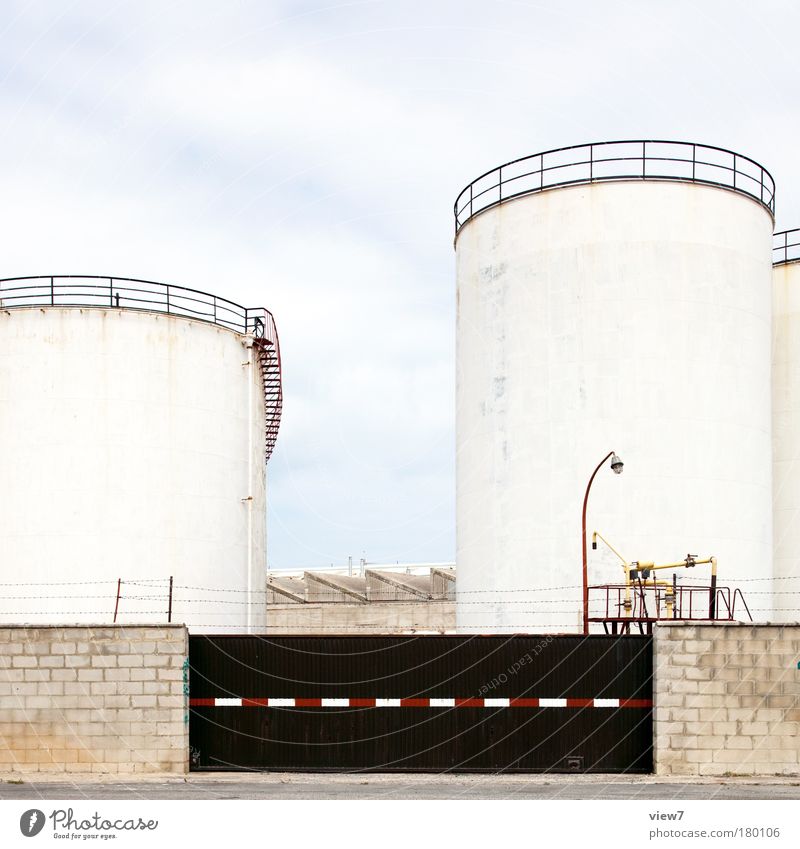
143, 701
730, 756
714, 769
170, 674
724, 673
129, 660
741, 741
737, 712
698, 674
12, 674
89, 674
58, 647
129, 688
677, 659
704, 702
668, 727
176, 730
143, 674
77, 661
784, 742
115, 756
117, 675
133, 715
39, 702
117, 647
103, 661
156, 660
36, 647
23, 662
768, 715
678, 742
697, 646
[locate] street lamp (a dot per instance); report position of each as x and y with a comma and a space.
616, 467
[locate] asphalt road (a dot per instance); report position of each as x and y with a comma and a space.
295, 786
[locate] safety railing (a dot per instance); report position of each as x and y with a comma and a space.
648, 604
786, 246
88, 290
685, 162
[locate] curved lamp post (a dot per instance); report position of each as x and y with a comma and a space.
616, 467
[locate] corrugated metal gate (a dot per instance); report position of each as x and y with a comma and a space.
421, 703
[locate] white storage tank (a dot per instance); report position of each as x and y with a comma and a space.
786, 423
612, 296
133, 419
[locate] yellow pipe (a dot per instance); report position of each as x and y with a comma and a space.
597, 535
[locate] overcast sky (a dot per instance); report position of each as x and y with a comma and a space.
305, 156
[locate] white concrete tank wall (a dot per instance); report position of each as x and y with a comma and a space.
786, 438
632, 316
125, 443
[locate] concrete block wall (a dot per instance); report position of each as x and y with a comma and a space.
94, 699
726, 699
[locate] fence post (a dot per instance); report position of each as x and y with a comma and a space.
169, 611
116, 606
52, 293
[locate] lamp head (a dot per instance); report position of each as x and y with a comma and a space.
616, 464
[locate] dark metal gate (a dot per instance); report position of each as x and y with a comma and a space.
421, 703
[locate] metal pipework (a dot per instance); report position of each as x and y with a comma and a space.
640, 566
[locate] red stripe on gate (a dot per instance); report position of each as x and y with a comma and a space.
468, 702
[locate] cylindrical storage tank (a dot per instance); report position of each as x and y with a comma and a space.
612, 296
133, 440
786, 423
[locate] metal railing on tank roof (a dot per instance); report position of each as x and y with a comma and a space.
654, 159
89, 290
786, 246
93, 291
